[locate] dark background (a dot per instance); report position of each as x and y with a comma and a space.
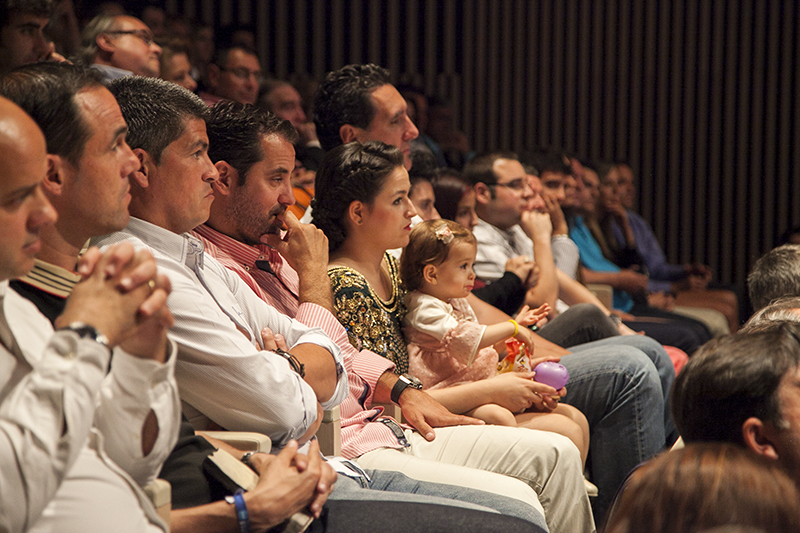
701, 97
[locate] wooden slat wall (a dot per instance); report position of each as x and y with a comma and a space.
700, 96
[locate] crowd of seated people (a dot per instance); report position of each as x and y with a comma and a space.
224, 308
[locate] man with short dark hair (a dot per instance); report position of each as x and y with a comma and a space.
775, 275
233, 74
120, 46
22, 38
359, 103
745, 389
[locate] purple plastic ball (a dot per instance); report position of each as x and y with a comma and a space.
553, 374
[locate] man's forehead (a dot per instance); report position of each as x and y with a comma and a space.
18, 20
238, 57
388, 101
549, 177
510, 169
275, 145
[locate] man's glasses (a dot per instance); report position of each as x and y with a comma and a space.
144, 35
244, 73
519, 184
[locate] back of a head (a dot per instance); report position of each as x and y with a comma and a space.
731, 379
46, 91
775, 275
93, 29
703, 486
547, 159
235, 131
343, 97
156, 111
780, 310
449, 187
348, 173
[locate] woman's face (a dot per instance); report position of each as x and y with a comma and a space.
465, 212
388, 220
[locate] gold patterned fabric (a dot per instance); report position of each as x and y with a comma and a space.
371, 323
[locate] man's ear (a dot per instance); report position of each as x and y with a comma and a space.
228, 176
56, 172
212, 71
348, 133
141, 176
105, 43
760, 437
483, 194
429, 274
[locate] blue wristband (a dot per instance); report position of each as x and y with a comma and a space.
242, 516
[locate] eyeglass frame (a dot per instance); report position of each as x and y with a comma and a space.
145, 35
523, 184
257, 74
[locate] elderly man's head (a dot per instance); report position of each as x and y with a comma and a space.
358, 103
22, 38
745, 389
121, 42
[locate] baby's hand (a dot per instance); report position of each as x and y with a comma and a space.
526, 317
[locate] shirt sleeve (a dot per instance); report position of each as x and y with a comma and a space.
430, 315
133, 389
44, 423
566, 255
222, 374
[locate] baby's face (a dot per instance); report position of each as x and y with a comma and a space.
455, 277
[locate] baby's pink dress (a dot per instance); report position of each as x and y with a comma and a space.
443, 341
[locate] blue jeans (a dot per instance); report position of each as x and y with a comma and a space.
619, 389
387, 485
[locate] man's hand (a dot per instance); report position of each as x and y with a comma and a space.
124, 298
288, 483
424, 413
520, 266
303, 245
536, 225
557, 217
305, 248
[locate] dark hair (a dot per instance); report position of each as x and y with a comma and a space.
731, 379
480, 169
46, 91
780, 310
547, 159
348, 173
235, 131
221, 53
775, 274
38, 8
266, 88
425, 247
344, 97
449, 187
706, 485
171, 47
156, 111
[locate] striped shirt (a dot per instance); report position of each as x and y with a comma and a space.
263, 269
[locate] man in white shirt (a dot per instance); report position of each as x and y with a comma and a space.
77, 441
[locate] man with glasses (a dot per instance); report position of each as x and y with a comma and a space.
120, 46
234, 74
